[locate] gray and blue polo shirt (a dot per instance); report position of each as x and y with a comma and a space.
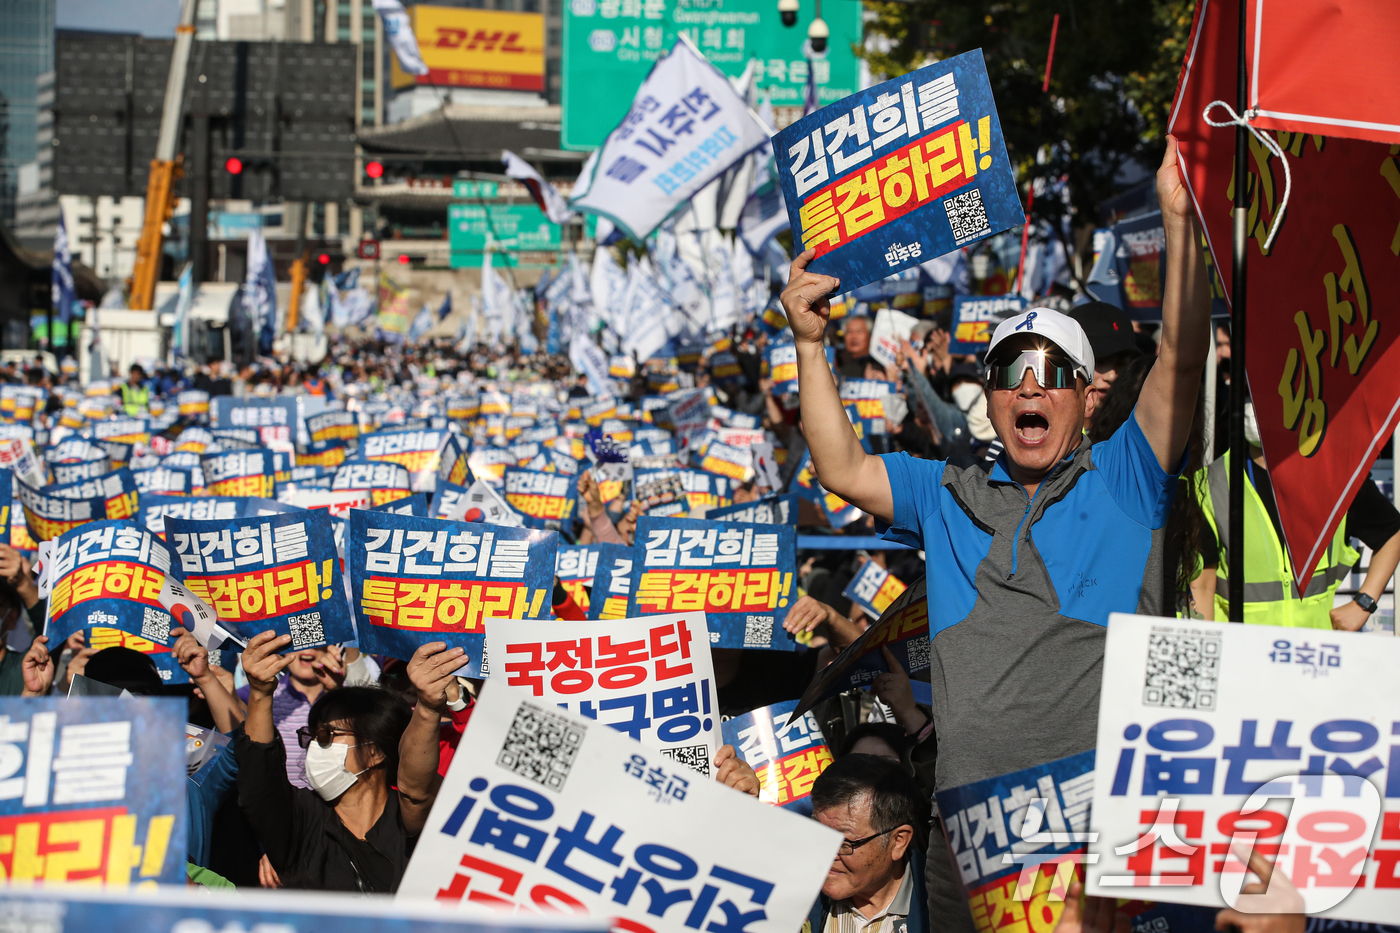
1019, 592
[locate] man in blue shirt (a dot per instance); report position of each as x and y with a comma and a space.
1026, 560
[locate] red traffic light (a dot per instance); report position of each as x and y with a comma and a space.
234, 165
403, 259
323, 259
374, 169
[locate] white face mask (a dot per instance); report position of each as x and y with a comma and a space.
1251, 425
326, 771
966, 394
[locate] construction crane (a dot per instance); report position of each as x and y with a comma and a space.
165, 168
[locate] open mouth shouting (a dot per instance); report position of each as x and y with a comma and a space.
1032, 428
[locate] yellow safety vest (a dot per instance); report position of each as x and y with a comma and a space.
1270, 593
135, 400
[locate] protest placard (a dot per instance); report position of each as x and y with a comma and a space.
153, 509
88, 783
193, 403
333, 426
123, 430
274, 419
735, 463
452, 463
18, 402
415, 580
903, 629
649, 677
489, 464
1016, 841
239, 472
701, 490
899, 173
976, 316
873, 588
163, 480
271, 572
76, 471
415, 451
1217, 734
107, 580
48, 515
515, 824
17, 455
770, 510
612, 583
786, 753
327, 454
546, 500
741, 575
385, 482
199, 909
891, 327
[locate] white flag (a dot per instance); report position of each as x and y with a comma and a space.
399, 31
592, 362
607, 283
687, 125
546, 195
649, 318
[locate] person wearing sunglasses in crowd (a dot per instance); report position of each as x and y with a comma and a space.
1029, 557
371, 765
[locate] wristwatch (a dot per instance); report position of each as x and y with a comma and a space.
1365, 602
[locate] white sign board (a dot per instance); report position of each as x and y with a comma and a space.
650, 677
1214, 734
891, 327
543, 810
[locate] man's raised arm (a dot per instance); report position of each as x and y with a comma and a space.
1168, 401
842, 465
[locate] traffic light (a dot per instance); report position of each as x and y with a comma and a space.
403, 259
374, 169
324, 259
234, 165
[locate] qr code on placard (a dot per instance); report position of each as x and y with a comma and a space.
694, 757
155, 625
1183, 670
306, 630
918, 653
758, 631
967, 216
541, 746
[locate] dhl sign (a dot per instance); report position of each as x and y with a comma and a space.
477, 48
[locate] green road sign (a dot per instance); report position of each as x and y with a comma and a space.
610, 45
520, 234
466, 188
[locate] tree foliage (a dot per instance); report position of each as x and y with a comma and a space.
1115, 72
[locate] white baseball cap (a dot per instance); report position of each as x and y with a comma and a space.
1060, 329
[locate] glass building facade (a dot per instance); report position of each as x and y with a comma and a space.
26, 51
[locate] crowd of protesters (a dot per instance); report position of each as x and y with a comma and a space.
985, 474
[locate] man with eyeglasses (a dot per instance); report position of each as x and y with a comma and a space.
875, 883
1025, 560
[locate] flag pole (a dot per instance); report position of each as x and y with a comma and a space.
1239, 449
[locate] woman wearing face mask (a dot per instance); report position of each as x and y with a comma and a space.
965, 431
353, 830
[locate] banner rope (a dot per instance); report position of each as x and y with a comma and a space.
1269, 143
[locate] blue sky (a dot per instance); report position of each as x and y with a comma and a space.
148, 17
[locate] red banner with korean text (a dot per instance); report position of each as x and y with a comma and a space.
1322, 356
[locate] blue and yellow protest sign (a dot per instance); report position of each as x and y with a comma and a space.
333, 426
277, 572
770, 510
48, 515
274, 419
123, 431
108, 580
385, 482
324, 454
899, 173
787, 754
155, 509
164, 480
193, 403
873, 588
416, 451
239, 472
976, 316
415, 580
612, 582
452, 462
742, 576
89, 784
546, 500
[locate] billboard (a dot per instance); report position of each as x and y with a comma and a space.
611, 45
477, 48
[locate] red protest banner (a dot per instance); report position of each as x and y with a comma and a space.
1322, 356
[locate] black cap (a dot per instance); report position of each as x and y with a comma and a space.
964, 371
123, 667
1109, 330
